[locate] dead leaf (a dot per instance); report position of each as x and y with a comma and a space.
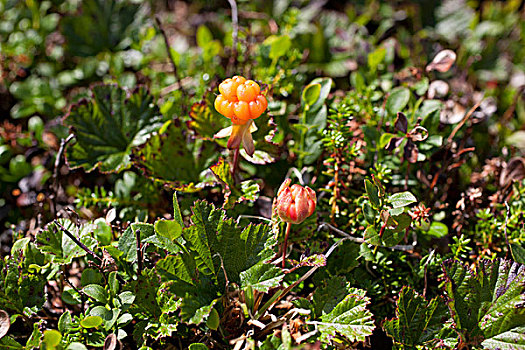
5, 323
513, 171
442, 61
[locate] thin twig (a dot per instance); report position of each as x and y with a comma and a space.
303, 277
463, 121
505, 228
170, 56
403, 248
58, 158
77, 241
235, 35
252, 217
224, 271
139, 254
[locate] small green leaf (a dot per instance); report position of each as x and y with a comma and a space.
518, 253
52, 338
376, 57
373, 194
71, 296
198, 346
170, 229
127, 244
369, 213
397, 100
91, 322
64, 322
113, 283
76, 346
96, 292
372, 236
213, 320
279, 45
402, 199
357, 81
438, 229
311, 94
204, 36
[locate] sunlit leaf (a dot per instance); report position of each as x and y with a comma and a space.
108, 125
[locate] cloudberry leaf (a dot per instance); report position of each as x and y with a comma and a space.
108, 125
487, 304
417, 320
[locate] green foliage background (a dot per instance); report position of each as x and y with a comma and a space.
122, 223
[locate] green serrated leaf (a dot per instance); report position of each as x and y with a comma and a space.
246, 190
169, 157
90, 31
417, 321
261, 277
487, 303
63, 249
20, 290
205, 120
215, 238
349, 318
326, 297
108, 125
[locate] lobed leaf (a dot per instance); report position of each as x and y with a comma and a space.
487, 303
108, 125
417, 321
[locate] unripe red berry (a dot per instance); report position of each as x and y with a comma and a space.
294, 204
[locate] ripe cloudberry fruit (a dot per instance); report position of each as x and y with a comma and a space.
240, 100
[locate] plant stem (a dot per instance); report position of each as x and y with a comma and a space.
77, 241
139, 254
235, 162
58, 159
235, 35
285, 244
170, 56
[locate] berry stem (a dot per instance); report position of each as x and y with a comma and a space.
235, 163
285, 244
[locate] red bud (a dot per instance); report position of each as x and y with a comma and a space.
295, 203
